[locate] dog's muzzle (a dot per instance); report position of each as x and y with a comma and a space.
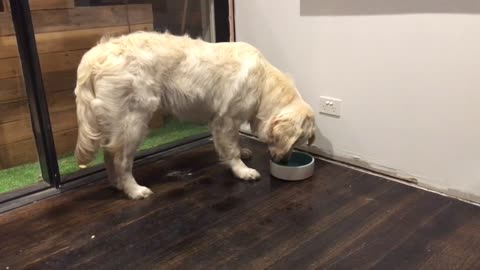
281, 159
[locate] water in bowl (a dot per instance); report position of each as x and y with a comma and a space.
297, 159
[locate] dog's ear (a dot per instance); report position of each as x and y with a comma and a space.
275, 130
309, 127
282, 130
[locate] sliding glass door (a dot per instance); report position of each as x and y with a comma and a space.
38, 112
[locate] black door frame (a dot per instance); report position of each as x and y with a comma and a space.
37, 100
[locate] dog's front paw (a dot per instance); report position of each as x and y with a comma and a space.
246, 153
247, 174
138, 192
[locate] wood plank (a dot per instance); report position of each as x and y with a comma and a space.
59, 61
25, 151
61, 41
8, 46
13, 111
17, 154
424, 241
80, 18
10, 68
202, 217
89, 17
459, 249
334, 207
49, 62
16, 131
21, 130
140, 14
12, 88
51, 4
75, 39
67, 40
59, 80
61, 101
6, 25
65, 141
381, 234
18, 109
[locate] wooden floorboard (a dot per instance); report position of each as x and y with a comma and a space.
200, 217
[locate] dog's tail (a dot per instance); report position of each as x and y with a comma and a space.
89, 134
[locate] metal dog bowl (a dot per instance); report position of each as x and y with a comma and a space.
299, 167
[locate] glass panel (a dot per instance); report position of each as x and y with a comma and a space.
19, 166
66, 29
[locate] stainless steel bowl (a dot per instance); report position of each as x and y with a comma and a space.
300, 166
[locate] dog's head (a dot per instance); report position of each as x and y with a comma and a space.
288, 129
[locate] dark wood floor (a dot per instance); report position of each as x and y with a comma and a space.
202, 218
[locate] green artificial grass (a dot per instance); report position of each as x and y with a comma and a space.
19, 177
29, 174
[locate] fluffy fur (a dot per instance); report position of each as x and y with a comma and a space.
122, 81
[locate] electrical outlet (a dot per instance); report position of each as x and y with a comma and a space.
330, 106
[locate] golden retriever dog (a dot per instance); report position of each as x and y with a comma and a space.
122, 81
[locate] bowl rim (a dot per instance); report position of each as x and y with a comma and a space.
306, 165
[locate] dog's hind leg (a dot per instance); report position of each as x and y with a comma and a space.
226, 140
134, 132
133, 127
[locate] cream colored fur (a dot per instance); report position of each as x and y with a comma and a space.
122, 81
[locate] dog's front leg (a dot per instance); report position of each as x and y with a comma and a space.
226, 140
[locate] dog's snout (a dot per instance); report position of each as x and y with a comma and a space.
274, 156
279, 158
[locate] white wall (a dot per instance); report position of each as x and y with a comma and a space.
409, 79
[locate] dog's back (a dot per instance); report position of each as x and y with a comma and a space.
188, 78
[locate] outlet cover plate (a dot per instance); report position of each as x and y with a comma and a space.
330, 106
